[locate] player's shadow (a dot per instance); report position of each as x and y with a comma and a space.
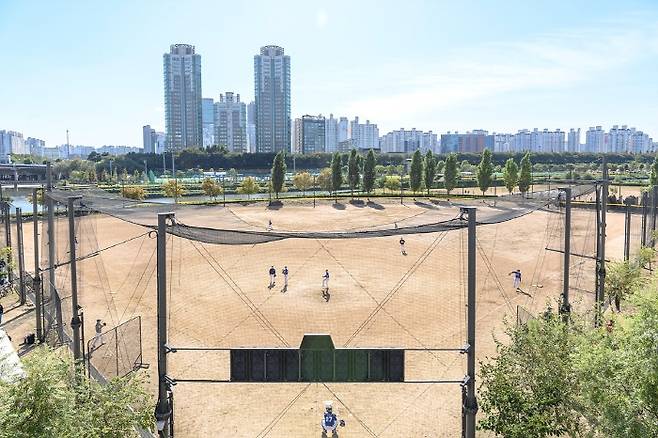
521, 291
275, 205
358, 203
271, 286
284, 289
326, 295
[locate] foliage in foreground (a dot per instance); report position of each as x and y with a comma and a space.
556, 378
52, 401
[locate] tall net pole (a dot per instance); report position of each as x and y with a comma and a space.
471, 407
7, 217
566, 306
75, 319
36, 286
654, 206
163, 408
21, 254
600, 272
50, 203
627, 233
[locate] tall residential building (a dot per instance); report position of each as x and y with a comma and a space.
312, 134
161, 142
182, 87
573, 140
539, 141
408, 141
343, 129
330, 134
364, 135
596, 140
149, 139
251, 126
35, 146
11, 142
641, 143
208, 121
231, 122
297, 136
272, 92
474, 141
503, 142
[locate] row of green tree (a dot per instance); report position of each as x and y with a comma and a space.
361, 172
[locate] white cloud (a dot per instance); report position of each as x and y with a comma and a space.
546, 63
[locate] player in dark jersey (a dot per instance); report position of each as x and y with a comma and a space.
330, 421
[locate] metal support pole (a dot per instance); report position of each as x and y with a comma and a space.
627, 233
566, 305
643, 238
50, 203
163, 408
654, 205
21, 255
75, 319
8, 238
471, 406
35, 223
173, 173
224, 189
600, 274
314, 188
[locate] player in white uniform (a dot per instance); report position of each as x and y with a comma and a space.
325, 280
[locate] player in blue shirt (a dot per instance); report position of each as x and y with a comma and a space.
330, 421
516, 276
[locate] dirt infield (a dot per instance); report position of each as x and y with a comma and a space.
219, 297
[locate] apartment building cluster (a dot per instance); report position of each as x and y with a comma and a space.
620, 140
192, 121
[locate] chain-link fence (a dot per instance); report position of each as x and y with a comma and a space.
118, 351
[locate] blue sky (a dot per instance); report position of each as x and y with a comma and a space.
95, 67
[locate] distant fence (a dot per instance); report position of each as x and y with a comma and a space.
118, 351
523, 315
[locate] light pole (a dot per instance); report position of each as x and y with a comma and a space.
146, 171
314, 176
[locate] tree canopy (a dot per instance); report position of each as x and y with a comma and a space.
55, 400
302, 181
430, 170
525, 177
369, 172
450, 173
555, 377
416, 171
510, 174
336, 173
278, 173
353, 172
485, 171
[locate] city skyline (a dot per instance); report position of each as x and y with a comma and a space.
463, 66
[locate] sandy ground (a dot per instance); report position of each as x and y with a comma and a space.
219, 297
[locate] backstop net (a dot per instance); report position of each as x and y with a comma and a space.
396, 282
